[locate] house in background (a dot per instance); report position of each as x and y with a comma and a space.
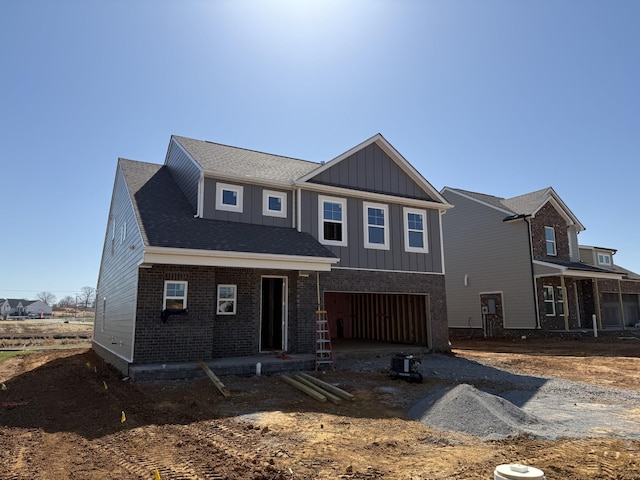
22, 308
515, 264
224, 252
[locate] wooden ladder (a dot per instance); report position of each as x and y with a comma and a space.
324, 354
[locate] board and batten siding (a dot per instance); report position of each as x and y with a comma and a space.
185, 172
252, 205
118, 277
371, 169
355, 255
494, 256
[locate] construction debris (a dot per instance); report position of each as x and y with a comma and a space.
303, 388
328, 387
213, 377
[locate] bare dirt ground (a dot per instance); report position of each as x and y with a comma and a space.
64, 414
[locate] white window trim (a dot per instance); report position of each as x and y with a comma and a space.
552, 301
166, 297
321, 200
220, 188
265, 204
365, 222
405, 212
607, 259
234, 300
546, 241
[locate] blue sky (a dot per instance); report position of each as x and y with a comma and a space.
498, 96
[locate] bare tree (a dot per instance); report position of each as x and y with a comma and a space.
66, 302
47, 297
86, 296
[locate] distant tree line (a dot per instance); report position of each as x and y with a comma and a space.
85, 299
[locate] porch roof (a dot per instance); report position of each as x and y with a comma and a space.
546, 268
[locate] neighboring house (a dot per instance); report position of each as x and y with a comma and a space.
515, 263
5, 307
224, 252
38, 308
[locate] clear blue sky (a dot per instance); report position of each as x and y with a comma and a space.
498, 96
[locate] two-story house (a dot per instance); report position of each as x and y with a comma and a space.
515, 264
224, 252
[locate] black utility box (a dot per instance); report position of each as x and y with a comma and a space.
406, 367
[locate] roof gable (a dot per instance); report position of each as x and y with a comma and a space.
528, 204
375, 166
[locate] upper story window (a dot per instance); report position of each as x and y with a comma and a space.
175, 294
604, 259
229, 197
274, 204
332, 215
376, 226
415, 230
550, 240
549, 302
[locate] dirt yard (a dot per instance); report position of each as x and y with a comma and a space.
66, 415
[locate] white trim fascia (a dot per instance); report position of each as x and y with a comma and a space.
387, 271
216, 176
392, 153
217, 258
373, 197
176, 142
568, 272
481, 202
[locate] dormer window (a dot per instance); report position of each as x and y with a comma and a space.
604, 259
229, 197
550, 240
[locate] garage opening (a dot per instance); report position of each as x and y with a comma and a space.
387, 317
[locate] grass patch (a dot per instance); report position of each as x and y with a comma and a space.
7, 355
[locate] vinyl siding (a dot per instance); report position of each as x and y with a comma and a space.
251, 205
495, 256
185, 172
371, 169
117, 281
355, 255
574, 250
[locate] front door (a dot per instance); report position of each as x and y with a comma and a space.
272, 324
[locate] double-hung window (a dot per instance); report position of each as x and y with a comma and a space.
376, 226
560, 301
274, 204
229, 197
332, 225
550, 240
226, 300
549, 302
175, 294
415, 230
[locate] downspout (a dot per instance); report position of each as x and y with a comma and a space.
294, 203
535, 283
299, 209
599, 316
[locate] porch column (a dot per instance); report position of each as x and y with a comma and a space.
565, 303
598, 313
621, 304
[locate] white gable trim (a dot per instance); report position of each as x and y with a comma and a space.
553, 198
213, 258
393, 154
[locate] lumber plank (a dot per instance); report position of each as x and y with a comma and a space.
303, 388
330, 396
214, 378
328, 387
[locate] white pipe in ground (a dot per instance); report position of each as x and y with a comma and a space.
515, 471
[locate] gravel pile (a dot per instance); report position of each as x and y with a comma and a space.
496, 404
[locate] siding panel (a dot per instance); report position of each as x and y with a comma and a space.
185, 172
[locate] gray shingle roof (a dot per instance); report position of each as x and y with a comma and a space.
240, 162
166, 220
522, 204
